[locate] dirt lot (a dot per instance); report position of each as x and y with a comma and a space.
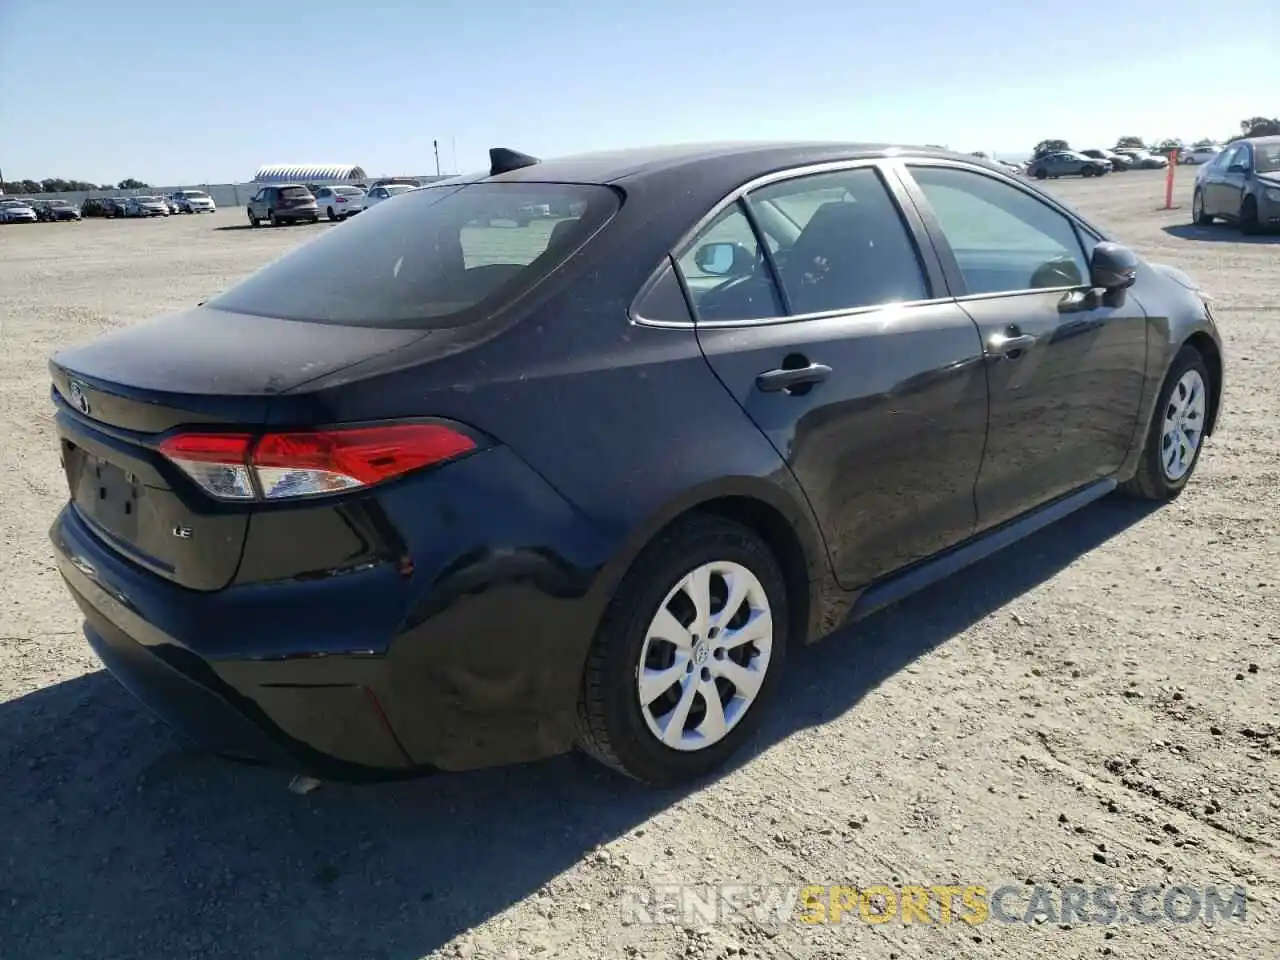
1096, 706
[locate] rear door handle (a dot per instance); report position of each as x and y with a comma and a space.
1008, 345
785, 379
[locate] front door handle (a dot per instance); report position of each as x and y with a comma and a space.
1011, 345
784, 378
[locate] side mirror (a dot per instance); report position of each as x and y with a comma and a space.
1237, 168
1113, 267
724, 260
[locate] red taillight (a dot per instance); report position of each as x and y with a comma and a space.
340, 199
308, 463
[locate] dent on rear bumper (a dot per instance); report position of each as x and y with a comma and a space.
474, 659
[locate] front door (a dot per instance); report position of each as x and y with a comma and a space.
1216, 190
1065, 370
827, 332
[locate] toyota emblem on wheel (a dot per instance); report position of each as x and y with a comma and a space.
78, 398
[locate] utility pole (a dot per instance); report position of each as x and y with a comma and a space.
436, 146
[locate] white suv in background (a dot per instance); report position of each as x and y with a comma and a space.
1200, 154
194, 201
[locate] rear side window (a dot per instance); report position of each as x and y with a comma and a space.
437, 257
850, 248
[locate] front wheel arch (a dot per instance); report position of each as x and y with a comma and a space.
1204, 345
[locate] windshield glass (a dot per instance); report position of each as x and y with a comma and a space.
1267, 157
196, 194
59, 203
394, 188
437, 257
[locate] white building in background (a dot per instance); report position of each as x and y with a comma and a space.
310, 173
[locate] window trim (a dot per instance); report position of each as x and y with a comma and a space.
942, 246
890, 178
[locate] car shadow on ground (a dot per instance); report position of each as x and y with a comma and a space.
119, 840
1218, 233
266, 226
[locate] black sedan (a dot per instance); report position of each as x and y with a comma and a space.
436, 491
53, 210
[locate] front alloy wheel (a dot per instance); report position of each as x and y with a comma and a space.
1175, 436
689, 650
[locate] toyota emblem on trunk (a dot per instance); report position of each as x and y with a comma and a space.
78, 398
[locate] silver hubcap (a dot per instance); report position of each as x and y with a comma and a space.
705, 656
1183, 425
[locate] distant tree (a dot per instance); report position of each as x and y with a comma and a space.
1259, 127
1130, 143
1050, 146
1171, 143
47, 185
131, 184
1206, 142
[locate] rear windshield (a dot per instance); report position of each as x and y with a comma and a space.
294, 192
437, 257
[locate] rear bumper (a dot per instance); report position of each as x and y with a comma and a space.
472, 659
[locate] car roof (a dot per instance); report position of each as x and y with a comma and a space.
1268, 140
734, 161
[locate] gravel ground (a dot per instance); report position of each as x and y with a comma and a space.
1096, 706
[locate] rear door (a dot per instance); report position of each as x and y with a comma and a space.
824, 317
1065, 366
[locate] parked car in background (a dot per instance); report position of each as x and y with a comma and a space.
402, 181
172, 204
1145, 159
194, 201
51, 210
115, 206
1241, 185
431, 519
146, 206
17, 211
377, 194
93, 207
1119, 162
339, 202
1203, 154
1067, 163
283, 204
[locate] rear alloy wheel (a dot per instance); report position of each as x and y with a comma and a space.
1249, 222
1040, 174
1176, 433
690, 649
1087, 172
253, 219
1198, 216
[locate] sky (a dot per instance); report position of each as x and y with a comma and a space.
172, 93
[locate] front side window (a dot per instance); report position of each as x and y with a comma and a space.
1267, 158
1004, 240
851, 249
437, 257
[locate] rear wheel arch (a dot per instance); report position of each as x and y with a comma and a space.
761, 507
1204, 345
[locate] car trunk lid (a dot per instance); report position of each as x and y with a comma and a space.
117, 397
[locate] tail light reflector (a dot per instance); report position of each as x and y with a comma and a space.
279, 466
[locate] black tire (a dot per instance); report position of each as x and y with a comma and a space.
1249, 223
331, 215
271, 215
253, 219
1040, 174
315, 219
1198, 216
1150, 481
611, 727
1086, 172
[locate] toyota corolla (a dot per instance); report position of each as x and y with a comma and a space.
439, 490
